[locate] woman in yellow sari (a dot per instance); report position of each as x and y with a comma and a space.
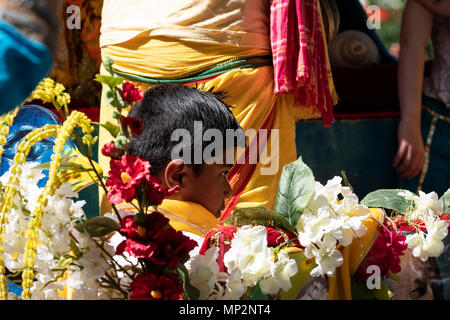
220, 45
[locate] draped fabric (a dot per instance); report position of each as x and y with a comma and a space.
148, 58
300, 57
250, 92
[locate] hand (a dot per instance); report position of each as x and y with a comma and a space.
409, 159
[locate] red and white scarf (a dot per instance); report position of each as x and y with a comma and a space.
300, 58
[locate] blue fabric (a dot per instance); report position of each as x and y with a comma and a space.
23, 64
29, 118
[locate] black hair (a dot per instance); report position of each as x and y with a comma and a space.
168, 107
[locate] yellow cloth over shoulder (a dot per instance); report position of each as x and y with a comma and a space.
184, 216
188, 216
339, 286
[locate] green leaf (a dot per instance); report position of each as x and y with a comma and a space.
110, 81
191, 292
98, 226
294, 191
76, 251
64, 165
64, 261
113, 129
445, 200
255, 293
383, 293
360, 290
388, 199
115, 101
258, 216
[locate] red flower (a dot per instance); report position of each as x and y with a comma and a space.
136, 126
131, 93
142, 239
150, 286
275, 237
403, 225
446, 217
385, 253
124, 176
172, 248
155, 194
109, 150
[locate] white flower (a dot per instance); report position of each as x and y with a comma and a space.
45, 259
76, 209
351, 227
205, 272
431, 244
74, 280
429, 201
416, 242
324, 195
233, 290
436, 228
250, 254
331, 189
326, 257
327, 261
93, 264
281, 273
312, 228
65, 191
350, 205
423, 202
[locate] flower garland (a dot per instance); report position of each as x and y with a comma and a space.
5, 122
252, 260
426, 218
327, 222
11, 188
47, 91
75, 119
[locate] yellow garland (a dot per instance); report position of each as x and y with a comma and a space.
11, 188
6, 121
50, 91
75, 119
47, 91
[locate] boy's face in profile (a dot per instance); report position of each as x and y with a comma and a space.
209, 188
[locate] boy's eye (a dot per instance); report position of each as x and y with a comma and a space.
225, 173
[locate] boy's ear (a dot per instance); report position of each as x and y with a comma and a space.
174, 172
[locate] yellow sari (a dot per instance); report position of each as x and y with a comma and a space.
249, 90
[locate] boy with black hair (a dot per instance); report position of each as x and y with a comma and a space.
171, 112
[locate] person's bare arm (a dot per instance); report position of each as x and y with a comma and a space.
415, 33
441, 7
